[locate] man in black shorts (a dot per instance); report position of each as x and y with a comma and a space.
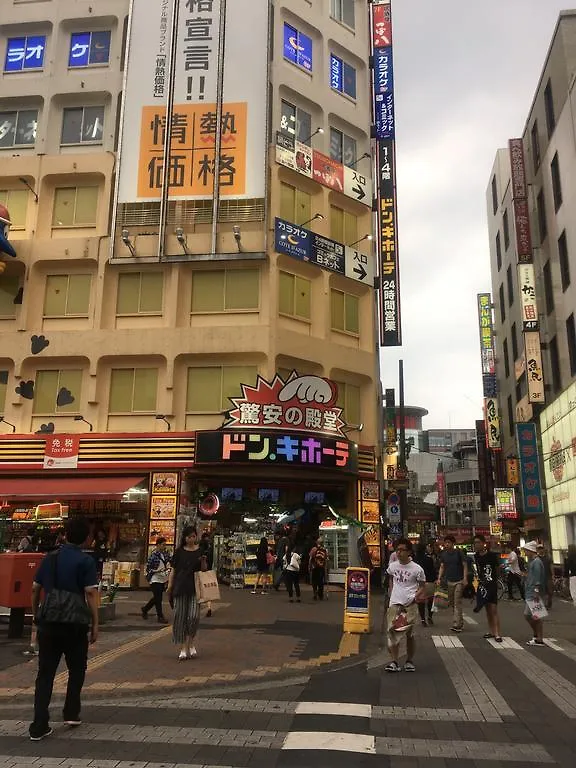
487, 567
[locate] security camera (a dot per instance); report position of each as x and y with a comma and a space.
180, 235
237, 233
125, 236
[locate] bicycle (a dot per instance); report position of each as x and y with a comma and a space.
503, 590
561, 589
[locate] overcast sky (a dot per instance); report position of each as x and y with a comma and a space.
465, 75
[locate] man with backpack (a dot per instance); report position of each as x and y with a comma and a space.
157, 572
318, 567
454, 570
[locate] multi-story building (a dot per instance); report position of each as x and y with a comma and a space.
138, 303
550, 166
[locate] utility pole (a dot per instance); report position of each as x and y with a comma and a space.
403, 474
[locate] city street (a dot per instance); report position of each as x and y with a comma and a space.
470, 702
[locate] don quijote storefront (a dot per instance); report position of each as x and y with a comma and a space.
129, 486
282, 458
280, 461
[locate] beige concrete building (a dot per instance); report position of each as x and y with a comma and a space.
129, 336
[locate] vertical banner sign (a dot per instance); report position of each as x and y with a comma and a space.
492, 419
512, 472
191, 157
163, 508
527, 441
534, 367
520, 201
527, 291
385, 131
485, 474
486, 333
505, 501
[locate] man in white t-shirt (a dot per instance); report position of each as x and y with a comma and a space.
407, 583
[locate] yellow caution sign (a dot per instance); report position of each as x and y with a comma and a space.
357, 600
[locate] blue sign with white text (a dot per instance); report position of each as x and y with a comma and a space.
357, 590
383, 70
529, 468
25, 53
297, 47
336, 73
384, 112
292, 240
87, 48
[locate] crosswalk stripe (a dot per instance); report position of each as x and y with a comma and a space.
469, 619
51, 762
446, 641
333, 708
562, 646
327, 740
507, 642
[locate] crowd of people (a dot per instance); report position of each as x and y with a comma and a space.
431, 577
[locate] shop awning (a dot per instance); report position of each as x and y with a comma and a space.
62, 488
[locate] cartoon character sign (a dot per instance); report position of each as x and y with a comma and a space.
357, 590
5, 222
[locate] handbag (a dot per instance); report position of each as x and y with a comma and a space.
537, 609
440, 599
61, 606
207, 588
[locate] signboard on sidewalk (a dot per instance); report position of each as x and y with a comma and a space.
357, 600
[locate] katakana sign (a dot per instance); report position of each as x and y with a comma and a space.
301, 403
527, 440
286, 449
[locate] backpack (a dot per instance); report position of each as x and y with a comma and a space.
320, 557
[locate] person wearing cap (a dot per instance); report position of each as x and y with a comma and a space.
535, 589
549, 574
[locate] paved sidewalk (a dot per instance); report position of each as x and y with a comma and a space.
247, 637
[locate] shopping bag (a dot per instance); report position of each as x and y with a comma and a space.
537, 609
400, 622
440, 599
207, 588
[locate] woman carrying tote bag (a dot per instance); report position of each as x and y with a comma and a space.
187, 561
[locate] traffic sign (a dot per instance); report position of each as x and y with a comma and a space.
359, 266
356, 186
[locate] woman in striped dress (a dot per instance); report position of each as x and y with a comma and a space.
187, 561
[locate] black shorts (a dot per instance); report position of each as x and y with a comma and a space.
492, 594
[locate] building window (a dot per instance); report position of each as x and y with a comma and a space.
555, 364
295, 204
541, 208
75, 207
133, 390
502, 304
345, 312
535, 146
25, 53
296, 122
506, 228
563, 259
294, 296
343, 11
510, 286
82, 125
67, 295
89, 49
3, 388
498, 251
9, 287
342, 76
548, 287
349, 401
16, 200
494, 195
297, 47
343, 225
342, 148
225, 290
556, 183
506, 358
510, 417
549, 109
514, 337
140, 293
53, 387
18, 128
210, 389
571, 338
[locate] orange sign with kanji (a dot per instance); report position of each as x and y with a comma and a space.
191, 163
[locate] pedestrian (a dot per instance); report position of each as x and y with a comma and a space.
535, 593
570, 571
407, 584
318, 567
67, 619
549, 574
293, 561
453, 570
282, 545
207, 547
100, 548
262, 566
425, 558
487, 568
157, 570
514, 577
187, 561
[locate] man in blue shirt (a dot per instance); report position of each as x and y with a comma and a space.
535, 589
69, 570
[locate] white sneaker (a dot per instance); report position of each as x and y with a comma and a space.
183, 656
193, 652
